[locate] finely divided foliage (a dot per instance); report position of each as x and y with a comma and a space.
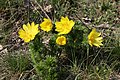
61, 39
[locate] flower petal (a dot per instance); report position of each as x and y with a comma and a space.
28, 32
64, 26
61, 40
46, 25
94, 39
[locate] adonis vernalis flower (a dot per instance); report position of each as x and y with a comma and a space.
28, 32
61, 40
46, 25
64, 26
94, 38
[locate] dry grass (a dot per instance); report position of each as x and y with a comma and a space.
105, 17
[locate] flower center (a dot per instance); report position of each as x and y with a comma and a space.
92, 39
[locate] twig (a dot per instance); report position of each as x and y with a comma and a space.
82, 22
96, 56
42, 9
105, 26
5, 47
25, 74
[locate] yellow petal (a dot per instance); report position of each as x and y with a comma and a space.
25, 27
28, 32
90, 43
61, 40
72, 23
64, 26
28, 25
96, 44
35, 29
32, 24
23, 35
46, 25
21, 32
94, 38
32, 37
99, 38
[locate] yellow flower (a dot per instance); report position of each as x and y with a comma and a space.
94, 38
64, 26
61, 40
28, 32
46, 25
